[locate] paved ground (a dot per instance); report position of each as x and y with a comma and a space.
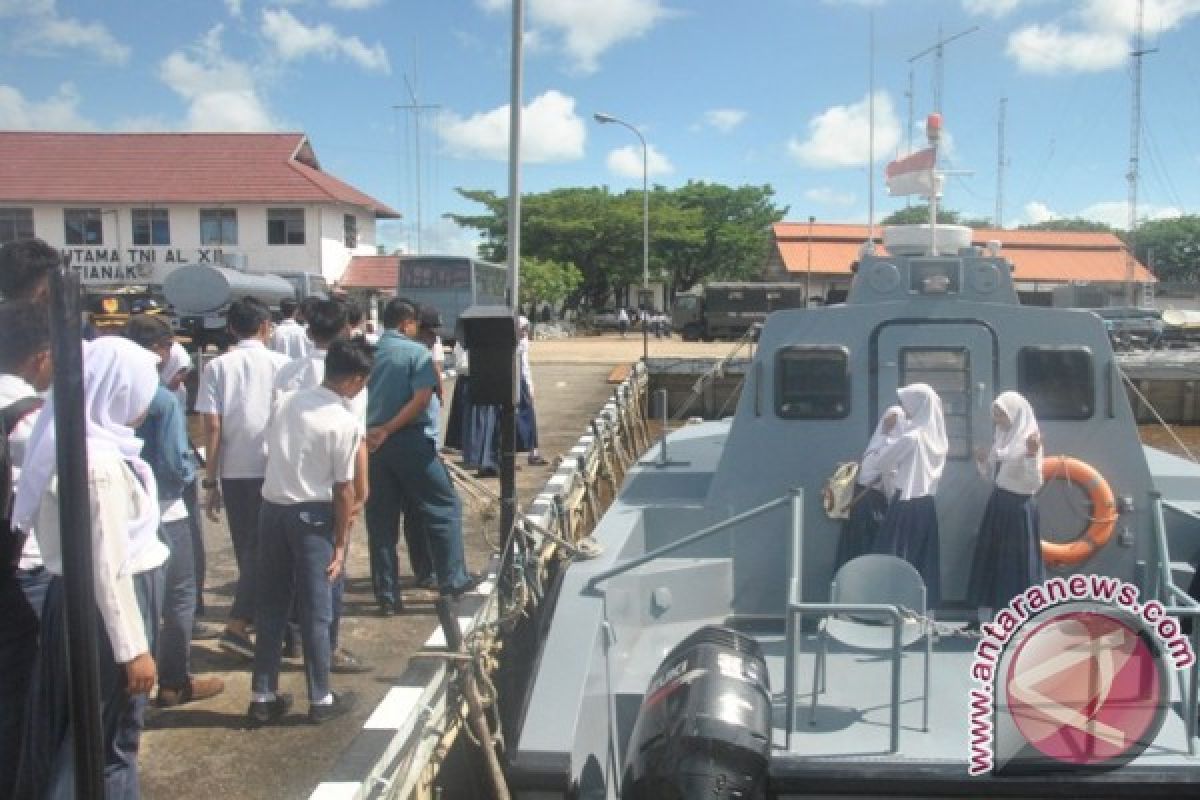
610, 348
204, 751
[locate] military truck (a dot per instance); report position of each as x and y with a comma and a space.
728, 310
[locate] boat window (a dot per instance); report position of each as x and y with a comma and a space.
812, 383
1059, 382
948, 371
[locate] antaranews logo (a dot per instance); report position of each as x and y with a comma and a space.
1072, 674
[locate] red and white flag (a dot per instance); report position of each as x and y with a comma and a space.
912, 174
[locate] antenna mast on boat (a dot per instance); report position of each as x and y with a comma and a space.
938, 49
871, 132
1001, 163
1135, 130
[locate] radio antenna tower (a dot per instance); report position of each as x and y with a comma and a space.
1001, 164
415, 109
1135, 131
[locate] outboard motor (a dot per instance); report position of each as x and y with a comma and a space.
704, 728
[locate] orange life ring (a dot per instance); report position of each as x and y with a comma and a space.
1102, 520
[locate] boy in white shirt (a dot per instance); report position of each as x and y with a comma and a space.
311, 493
289, 336
234, 396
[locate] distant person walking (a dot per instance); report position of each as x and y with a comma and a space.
527, 428
623, 322
235, 396
405, 470
289, 336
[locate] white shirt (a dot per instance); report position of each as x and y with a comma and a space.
309, 373
12, 389
313, 441
115, 494
291, 339
238, 387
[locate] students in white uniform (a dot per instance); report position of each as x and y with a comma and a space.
871, 491
235, 396
1008, 553
310, 496
527, 431
917, 459
289, 336
120, 380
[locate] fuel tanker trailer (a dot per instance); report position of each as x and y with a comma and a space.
200, 295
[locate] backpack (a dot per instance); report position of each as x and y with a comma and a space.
11, 544
838, 494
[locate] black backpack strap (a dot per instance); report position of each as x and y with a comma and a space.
12, 414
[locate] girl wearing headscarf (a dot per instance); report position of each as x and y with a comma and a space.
1008, 558
871, 491
916, 459
527, 432
120, 379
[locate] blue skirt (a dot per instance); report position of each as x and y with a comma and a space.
472, 429
1008, 552
527, 433
862, 526
910, 531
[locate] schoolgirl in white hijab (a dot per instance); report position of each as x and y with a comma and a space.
173, 371
871, 491
916, 460
1008, 558
120, 379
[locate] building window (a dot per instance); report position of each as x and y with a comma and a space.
285, 226
151, 226
218, 226
350, 227
82, 227
15, 223
1059, 382
947, 370
812, 383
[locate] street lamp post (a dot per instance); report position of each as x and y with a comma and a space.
604, 119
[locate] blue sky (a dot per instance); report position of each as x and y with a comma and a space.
757, 91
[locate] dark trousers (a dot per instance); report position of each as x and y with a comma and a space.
179, 607
295, 548
406, 473
243, 500
199, 559
18, 649
46, 769
417, 543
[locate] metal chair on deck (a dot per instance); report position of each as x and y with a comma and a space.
877, 603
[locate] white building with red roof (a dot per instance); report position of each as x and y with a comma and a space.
131, 207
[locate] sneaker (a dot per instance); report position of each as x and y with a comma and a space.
471, 585
236, 643
205, 630
343, 703
196, 689
272, 711
345, 662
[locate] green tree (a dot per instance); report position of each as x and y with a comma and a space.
1072, 224
919, 215
1171, 247
544, 281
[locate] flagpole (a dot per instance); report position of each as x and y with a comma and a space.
933, 129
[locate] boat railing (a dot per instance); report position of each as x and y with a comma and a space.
793, 498
1181, 605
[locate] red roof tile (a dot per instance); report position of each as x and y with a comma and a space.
164, 168
1052, 256
371, 272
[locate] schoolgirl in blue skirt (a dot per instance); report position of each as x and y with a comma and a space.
916, 461
871, 491
1008, 558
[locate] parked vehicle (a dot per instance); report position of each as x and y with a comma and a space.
728, 310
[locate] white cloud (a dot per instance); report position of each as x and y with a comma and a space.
627, 162
838, 136
550, 131
44, 31
993, 8
724, 119
586, 28
1094, 36
293, 40
234, 7
829, 197
59, 112
221, 92
354, 5
1037, 212
440, 235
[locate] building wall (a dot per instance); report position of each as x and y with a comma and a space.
119, 262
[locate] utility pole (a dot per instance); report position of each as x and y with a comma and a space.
938, 49
911, 121
1135, 131
415, 108
1001, 164
871, 131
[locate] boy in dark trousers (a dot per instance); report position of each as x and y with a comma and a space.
315, 449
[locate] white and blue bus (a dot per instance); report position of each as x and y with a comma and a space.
451, 284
